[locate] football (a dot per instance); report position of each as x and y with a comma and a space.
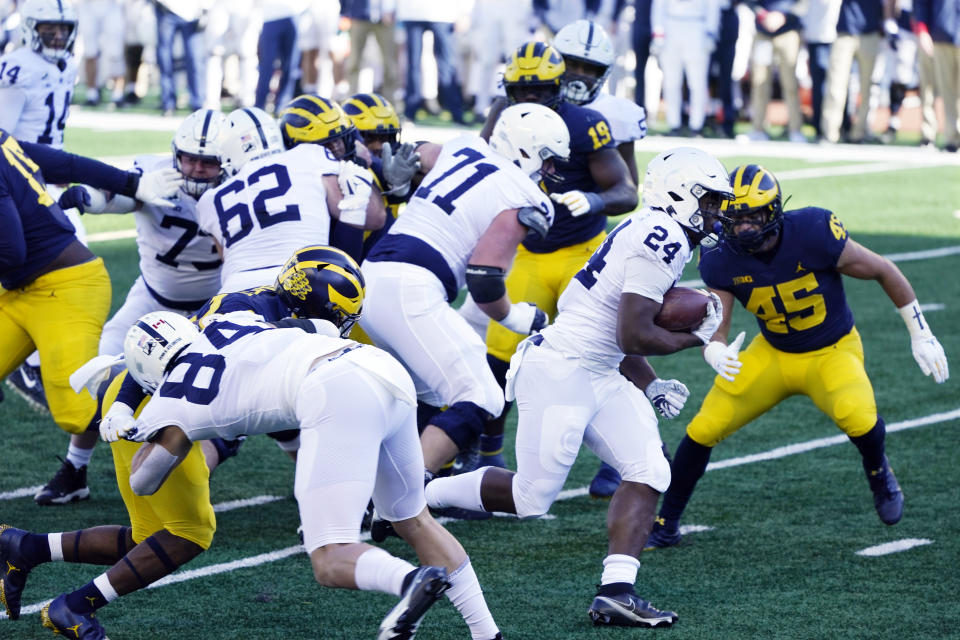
683, 309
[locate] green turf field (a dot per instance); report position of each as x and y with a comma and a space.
775, 555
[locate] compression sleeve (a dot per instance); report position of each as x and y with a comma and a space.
60, 167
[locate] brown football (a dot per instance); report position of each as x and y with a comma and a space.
683, 309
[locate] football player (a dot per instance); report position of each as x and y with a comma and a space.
462, 226
569, 387
273, 198
786, 268
595, 182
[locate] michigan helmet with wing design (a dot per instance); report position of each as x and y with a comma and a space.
55, 44
316, 120
588, 54
533, 74
374, 117
756, 196
529, 135
152, 344
253, 134
688, 184
323, 282
201, 135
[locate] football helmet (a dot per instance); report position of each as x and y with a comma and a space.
253, 134
201, 135
51, 46
310, 118
689, 185
374, 117
588, 54
530, 134
153, 343
756, 195
533, 74
323, 282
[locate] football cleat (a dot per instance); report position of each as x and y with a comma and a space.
380, 530
426, 587
27, 384
605, 483
628, 610
68, 623
14, 567
67, 485
458, 513
661, 537
887, 496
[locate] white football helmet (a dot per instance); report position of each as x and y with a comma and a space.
153, 342
36, 12
201, 134
528, 134
253, 134
586, 42
688, 184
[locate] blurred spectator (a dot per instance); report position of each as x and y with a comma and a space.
555, 14
642, 35
819, 32
498, 27
678, 25
858, 37
232, 29
777, 41
180, 17
722, 61
316, 30
926, 77
417, 17
901, 72
376, 18
276, 49
139, 39
101, 35
938, 34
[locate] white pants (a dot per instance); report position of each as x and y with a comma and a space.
683, 54
241, 280
406, 313
563, 405
139, 302
357, 440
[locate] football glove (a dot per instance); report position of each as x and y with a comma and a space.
579, 202
117, 423
156, 186
711, 322
399, 167
356, 184
525, 318
929, 354
723, 357
668, 396
76, 197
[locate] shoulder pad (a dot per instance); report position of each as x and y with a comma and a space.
535, 220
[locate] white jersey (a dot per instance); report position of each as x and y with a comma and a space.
467, 188
627, 119
645, 255
271, 208
45, 90
178, 262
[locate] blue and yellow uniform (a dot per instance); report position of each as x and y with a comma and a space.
807, 343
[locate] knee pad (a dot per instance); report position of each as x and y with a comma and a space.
531, 499
462, 422
653, 471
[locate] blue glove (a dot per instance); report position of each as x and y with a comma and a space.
76, 197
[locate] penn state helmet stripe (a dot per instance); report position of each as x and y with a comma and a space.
263, 138
205, 129
589, 39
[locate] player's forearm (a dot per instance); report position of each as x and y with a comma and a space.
621, 198
896, 285
638, 371
61, 167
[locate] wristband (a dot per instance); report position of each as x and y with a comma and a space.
913, 318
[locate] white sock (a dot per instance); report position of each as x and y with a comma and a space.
467, 596
106, 589
377, 570
79, 457
55, 541
457, 491
34, 359
619, 568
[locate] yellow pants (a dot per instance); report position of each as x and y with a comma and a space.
181, 505
60, 314
832, 377
539, 278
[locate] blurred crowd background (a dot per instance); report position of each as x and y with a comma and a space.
802, 70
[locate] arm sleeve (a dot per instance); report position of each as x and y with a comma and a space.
60, 167
131, 393
13, 246
348, 239
11, 106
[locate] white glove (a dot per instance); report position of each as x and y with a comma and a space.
356, 184
117, 423
525, 318
156, 186
711, 321
668, 396
400, 167
579, 202
927, 350
723, 357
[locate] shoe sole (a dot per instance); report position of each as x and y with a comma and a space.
603, 619
76, 496
49, 624
33, 404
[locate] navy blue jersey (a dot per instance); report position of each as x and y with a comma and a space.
262, 301
33, 228
798, 295
589, 132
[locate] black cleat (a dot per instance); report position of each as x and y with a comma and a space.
628, 610
605, 482
27, 384
426, 587
14, 568
887, 496
381, 529
68, 623
459, 513
67, 485
661, 537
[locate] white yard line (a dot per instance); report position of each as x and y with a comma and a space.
893, 547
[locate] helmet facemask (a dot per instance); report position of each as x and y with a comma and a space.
756, 212
582, 80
